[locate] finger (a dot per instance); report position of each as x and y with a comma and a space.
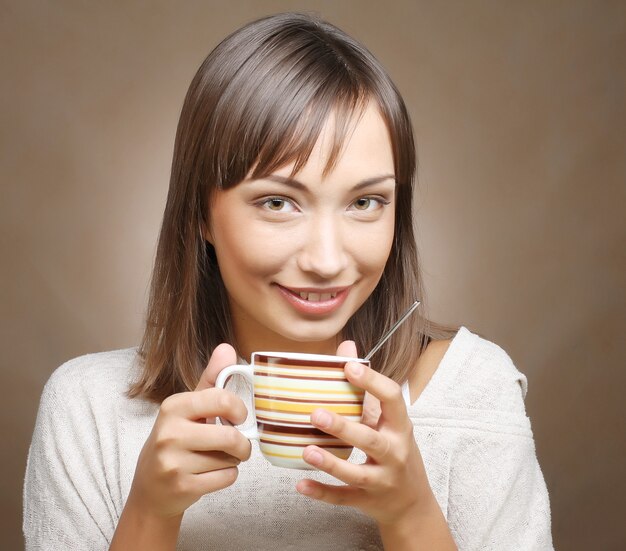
223, 356
388, 392
335, 495
204, 462
367, 439
360, 476
210, 402
215, 438
213, 481
347, 349
371, 410
371, 406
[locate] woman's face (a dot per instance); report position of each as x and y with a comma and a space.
300, 255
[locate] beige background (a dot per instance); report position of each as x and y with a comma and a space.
519, 111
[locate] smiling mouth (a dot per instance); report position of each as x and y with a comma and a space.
315, 301
316, 297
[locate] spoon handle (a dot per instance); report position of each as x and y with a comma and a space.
391, 331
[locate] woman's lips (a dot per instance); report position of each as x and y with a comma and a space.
315, 301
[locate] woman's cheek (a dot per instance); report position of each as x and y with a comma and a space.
372, 249
267, 252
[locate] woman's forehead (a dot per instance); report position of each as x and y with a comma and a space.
325, 136
364, 141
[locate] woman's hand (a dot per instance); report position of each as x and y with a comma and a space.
391, 486
186, 455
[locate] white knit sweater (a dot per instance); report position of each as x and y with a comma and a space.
469, 422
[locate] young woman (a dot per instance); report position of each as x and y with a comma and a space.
288, 226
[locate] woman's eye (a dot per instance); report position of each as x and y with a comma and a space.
369, 203
277, 204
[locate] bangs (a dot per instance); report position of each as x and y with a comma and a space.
273, 106
293, 143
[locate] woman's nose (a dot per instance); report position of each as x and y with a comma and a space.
323, 252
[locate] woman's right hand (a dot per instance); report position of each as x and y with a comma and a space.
187, 455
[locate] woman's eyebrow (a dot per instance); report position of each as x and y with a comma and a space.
292, 182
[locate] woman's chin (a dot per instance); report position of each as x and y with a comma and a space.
310, 336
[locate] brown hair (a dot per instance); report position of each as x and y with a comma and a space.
257, 103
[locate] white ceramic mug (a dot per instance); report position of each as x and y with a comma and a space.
288, 387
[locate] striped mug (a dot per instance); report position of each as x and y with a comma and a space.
288, 387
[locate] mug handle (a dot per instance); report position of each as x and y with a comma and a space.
247, 371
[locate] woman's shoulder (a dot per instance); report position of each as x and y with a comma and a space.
100, 376
489, 366
475, 373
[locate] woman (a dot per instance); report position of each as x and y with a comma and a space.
288, 226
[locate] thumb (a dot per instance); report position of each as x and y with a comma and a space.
371, 404
223, 356
347, 349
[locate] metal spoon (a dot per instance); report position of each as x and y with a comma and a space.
391, 331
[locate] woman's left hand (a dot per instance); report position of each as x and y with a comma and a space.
391, 486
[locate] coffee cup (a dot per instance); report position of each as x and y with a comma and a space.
288, 387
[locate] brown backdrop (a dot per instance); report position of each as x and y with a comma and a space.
520, 118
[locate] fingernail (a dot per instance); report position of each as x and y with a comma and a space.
305, 489
314, 457
322, 419
355, 369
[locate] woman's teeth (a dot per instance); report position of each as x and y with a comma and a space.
317, 297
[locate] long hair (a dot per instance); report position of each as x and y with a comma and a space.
257, 103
